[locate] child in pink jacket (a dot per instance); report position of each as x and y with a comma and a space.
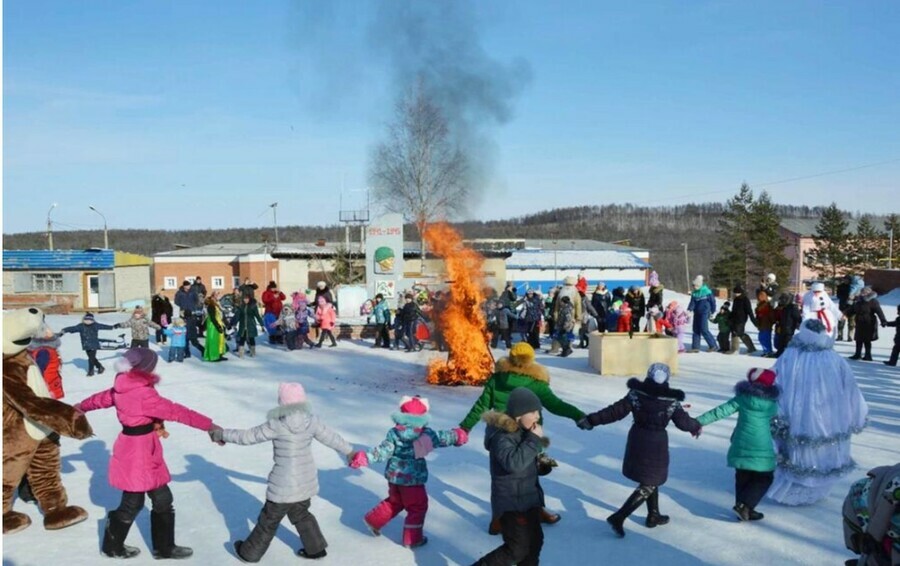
327, 318
137, 465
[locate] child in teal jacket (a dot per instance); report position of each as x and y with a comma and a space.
752, 452
405, 448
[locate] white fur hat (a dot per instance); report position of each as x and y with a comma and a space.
817, 286
770, 278
570, 280
698, 281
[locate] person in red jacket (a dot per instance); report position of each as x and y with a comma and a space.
273, 300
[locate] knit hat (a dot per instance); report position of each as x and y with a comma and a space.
522, 400
654, 279
143, 359
570, 280
770, 278
762, 376
88, 316
521, 354
413, 405
272, 285
291, 393
698, 282
659, 373
320, 285
738, 289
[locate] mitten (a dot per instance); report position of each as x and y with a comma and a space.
160, 429
216, 434
697, 434
584, 424
359, 460
422, 446
462, 436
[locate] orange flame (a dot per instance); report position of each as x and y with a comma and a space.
463, 323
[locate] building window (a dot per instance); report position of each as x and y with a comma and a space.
235, 281
170, 283
47, 282
218, 282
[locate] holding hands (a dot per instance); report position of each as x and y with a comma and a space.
216, 434
584, 424
358, 460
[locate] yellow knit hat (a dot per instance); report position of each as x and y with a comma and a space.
521, 354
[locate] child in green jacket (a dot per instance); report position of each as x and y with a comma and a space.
752, 453
723, 320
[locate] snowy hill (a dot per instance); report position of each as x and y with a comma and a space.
220, 490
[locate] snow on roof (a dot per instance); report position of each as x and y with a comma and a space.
575, 259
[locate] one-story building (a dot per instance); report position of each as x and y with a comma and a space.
800, 233
75, 280
542, 264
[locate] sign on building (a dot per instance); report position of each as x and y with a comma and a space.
384, 255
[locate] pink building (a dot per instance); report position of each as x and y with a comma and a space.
799, 234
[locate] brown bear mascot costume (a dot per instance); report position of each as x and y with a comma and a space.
30, 416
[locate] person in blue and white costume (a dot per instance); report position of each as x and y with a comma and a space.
819, 409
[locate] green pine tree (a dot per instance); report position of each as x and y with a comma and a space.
829, 258
734, 240
767, 255
867, 248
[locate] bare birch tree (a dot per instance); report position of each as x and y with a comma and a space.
419, 170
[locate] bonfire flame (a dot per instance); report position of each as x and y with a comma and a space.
462, 321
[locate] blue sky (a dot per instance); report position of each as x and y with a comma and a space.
201, 114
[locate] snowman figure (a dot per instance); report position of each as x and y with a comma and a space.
817, 305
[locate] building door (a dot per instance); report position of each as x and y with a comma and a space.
92, 288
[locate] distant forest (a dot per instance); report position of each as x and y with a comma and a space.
661, 229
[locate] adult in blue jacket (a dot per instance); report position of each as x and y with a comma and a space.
702, 304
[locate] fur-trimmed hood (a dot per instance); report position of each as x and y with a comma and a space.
650, 388
289, 409
505, 423
134, 378
752, 389
533, 370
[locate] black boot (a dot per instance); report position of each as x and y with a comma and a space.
749, 343
653, 516
162, 531
617, 519
114, 539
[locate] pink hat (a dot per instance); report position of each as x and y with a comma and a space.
414, 405
291, 393
143, 359
762, 376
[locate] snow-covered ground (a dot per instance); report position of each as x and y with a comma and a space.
220, 490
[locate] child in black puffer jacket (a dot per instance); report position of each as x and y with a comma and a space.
653, 404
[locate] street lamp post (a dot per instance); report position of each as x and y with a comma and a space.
687, 271
274, 206
105, 231
50, 227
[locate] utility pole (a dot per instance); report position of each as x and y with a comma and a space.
274, 206
687, 271
890, 249
50, 227
105, 231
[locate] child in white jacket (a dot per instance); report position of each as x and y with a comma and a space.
293, 480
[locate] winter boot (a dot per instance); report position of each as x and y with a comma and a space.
114, 539
495, 527
735, 345
303, 554
749, 343
840, 332
742, 512
252, 351
162, 531
617, 519
549, 518
240, 352
653, 516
